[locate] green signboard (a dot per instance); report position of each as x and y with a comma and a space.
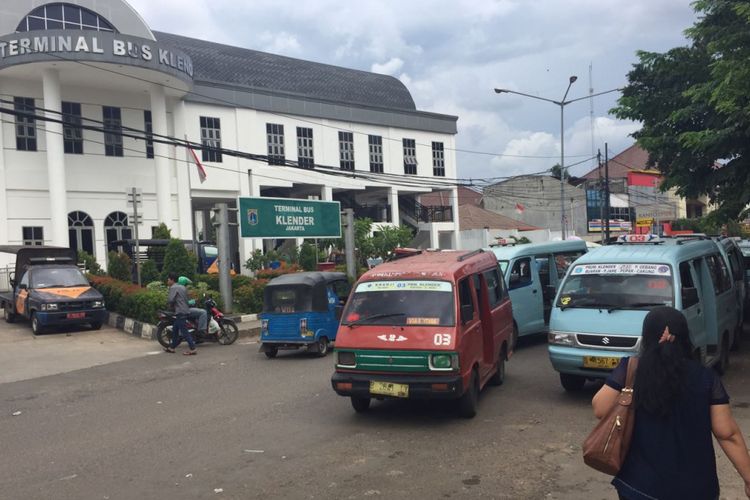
289, 218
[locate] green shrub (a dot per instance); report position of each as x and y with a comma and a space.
308, 257
149, 271
143, 305
250, 297
178, 260
119, 266
89, 262
212, 280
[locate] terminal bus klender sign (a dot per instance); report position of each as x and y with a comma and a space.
289, 218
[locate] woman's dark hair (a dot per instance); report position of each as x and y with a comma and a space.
660, 378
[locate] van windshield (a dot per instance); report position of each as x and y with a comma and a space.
617, 286
51, 277
410, 303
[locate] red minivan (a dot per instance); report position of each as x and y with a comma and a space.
434, 325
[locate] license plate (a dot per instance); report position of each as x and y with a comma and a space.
389, 389
75, 315
606, 362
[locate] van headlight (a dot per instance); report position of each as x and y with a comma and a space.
561, 338
443, 361
346, 358
97, 304
49, 307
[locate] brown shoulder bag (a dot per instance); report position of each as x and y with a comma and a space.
607, 446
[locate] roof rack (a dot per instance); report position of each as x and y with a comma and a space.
469, 255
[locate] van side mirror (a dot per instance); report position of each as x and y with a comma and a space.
689, 297
467, 313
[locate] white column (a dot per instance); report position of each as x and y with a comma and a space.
3, 186
434, 236
393, 201
180, 155
55, 158
161, 157
326, 193
456, 226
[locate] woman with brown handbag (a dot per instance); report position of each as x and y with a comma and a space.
678, 404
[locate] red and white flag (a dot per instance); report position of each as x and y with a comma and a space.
201, 170
519, 208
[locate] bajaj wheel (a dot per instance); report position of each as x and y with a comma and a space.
164, 334
228, 332
271, 352
360, 405
467, 403
572, 383
322, 347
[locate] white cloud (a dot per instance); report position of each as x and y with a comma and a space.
391, 67
279, 42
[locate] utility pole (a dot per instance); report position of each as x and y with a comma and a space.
351, 268
601, 195
224, 258
607, 210
134, 197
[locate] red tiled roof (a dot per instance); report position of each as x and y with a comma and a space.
473, 217
443, 198
633, 158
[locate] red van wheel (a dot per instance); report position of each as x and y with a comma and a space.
499, 376
467, 403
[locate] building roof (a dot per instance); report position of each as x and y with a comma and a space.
235, 66
629, 160
466, 196
473, 217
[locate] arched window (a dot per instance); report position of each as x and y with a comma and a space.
116, 228
64, 16
81, 232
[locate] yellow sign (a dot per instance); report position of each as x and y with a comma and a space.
644, 222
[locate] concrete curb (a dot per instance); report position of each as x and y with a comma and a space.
132, 327
242, 318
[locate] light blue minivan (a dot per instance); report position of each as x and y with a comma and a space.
599, 309
532, 272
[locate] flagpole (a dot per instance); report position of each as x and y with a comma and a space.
190, 197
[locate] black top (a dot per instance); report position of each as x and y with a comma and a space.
673, 457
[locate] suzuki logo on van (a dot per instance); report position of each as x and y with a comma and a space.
605, 341
392, 338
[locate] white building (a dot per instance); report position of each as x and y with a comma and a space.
68, 70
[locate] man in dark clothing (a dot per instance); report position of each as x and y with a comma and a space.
178, 300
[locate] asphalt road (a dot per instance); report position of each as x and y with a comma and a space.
230, 423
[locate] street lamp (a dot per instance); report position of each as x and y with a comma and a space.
562, 103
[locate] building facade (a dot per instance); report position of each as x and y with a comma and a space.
93, 103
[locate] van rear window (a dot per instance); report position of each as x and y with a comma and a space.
618, 286
400, 303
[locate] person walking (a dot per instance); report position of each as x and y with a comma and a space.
678, 404
178, 300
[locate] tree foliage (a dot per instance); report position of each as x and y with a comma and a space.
119, 266
694, 107
178, 260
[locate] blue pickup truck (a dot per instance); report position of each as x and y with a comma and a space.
49, 290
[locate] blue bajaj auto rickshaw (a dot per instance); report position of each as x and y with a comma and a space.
302, 310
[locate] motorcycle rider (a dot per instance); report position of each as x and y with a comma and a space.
197, 315
178, 300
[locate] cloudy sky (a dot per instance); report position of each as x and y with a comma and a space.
451, 54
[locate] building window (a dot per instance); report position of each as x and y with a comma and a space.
438, 159
275, 133
410, 157
305, 147
149, 128
211, 139
25, 123
72, 130
112, 131
116, 228
81, 232
63, 16
33, 235
346, 150
376, 153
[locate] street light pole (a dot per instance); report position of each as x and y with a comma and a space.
562, 103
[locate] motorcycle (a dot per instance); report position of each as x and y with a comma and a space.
220, 329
